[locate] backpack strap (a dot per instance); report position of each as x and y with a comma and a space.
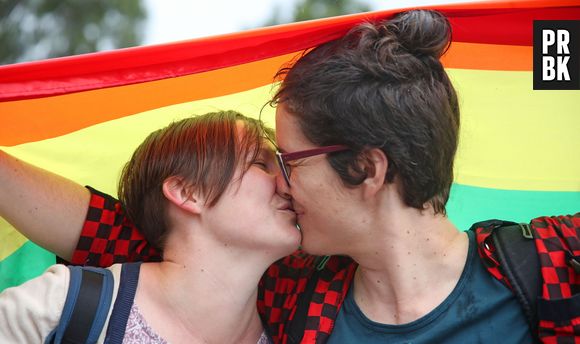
297, 325
123, 303
86, 306
516, 260
519, 260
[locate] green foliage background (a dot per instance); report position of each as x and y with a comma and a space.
40, 29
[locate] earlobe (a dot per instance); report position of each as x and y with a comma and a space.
376, 165
179, 193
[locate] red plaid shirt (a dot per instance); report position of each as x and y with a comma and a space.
109, 237
557, 242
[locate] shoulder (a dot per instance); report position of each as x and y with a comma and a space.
29, 312
568, 224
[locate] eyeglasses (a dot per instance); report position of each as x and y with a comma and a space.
284, 158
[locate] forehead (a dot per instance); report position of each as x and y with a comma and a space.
289, 136
266, 146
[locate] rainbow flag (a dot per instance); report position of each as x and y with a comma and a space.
82, 116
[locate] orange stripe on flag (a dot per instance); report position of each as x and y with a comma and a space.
488, 57
38, 119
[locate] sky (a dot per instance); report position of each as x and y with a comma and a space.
176, 20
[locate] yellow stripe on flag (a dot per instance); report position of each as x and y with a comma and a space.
513, 137
10, 238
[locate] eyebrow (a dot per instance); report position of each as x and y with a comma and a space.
278, 148
266, 151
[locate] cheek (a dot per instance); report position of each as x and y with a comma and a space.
313, 185
260, 187
301, 188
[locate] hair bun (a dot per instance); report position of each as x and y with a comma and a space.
421, 32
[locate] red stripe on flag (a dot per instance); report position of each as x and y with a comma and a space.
507, 22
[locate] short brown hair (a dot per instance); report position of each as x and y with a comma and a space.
205, 150
382, 86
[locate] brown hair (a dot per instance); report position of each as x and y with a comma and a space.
205, 150
382, 86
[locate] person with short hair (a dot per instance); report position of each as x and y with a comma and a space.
203, 192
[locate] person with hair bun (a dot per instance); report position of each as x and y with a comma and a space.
367, 130
381, 94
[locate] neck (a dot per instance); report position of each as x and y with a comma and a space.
197, 280
410, 264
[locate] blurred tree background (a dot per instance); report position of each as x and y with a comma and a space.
40, 29
315, 9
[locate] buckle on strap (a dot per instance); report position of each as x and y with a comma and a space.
526, 230
573, 261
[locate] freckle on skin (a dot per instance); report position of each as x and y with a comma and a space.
398, 265
427, 239
409, 252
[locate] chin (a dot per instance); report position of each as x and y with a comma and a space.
284, 250
312, 246
290, 241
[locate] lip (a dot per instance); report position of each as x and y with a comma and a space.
286, 207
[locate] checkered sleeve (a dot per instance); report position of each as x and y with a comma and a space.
278, 291
557, 240
558, 244
108, 236
329, 294
283, 287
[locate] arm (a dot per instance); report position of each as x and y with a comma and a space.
29, 312
46, 208
81, 225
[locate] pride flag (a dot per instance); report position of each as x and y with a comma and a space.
82, 116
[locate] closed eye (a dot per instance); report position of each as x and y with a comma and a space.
296, 163
261, 164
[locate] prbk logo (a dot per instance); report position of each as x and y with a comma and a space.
556, 54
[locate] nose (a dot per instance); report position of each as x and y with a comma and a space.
282, 188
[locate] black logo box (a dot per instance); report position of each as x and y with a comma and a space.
573, 65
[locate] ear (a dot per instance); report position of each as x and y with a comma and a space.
375, 164
179, 193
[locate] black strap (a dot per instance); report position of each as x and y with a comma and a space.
298, 324
85, 308
519, 262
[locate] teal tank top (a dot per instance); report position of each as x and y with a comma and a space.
479, 310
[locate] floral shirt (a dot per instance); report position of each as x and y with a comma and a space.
139, 332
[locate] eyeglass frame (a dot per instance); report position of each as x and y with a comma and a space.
283, 158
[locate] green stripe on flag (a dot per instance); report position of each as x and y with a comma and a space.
25, 263
469, 204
